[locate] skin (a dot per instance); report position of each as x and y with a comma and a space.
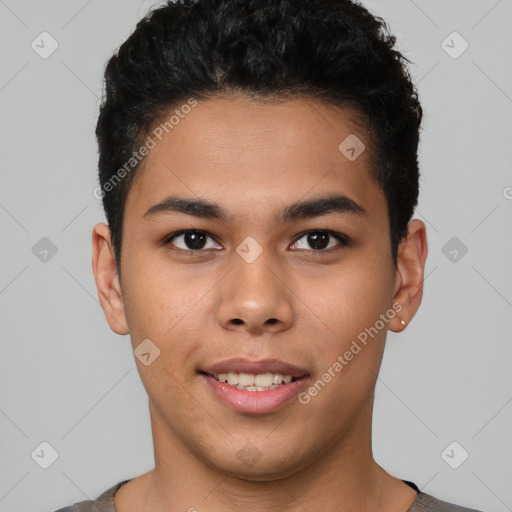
254, 159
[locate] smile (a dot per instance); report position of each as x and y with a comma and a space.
250, 382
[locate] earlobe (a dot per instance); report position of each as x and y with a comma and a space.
412, 254
107, 279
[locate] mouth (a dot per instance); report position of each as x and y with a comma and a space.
255, 387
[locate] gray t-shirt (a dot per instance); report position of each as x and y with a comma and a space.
422, 503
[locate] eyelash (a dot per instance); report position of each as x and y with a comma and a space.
342, 239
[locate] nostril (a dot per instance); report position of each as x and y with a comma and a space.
272, 321
237, 321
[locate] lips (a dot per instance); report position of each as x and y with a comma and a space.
227, 378
255, 367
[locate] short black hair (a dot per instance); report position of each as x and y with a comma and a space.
332, 50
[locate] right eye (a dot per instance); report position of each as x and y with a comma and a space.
192, 240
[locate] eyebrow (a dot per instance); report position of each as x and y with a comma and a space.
310, 208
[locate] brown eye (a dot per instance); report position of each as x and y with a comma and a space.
319, 240
192, 240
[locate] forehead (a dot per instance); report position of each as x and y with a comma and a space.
248, 154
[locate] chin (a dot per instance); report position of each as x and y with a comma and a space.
258, 465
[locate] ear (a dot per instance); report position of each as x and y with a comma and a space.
107, 279
408, 292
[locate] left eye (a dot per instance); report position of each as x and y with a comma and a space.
319, 240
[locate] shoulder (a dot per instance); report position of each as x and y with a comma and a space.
427, 503
103, 503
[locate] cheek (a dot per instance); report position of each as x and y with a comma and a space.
168, 306
354, 302
348, 353
155, 300
349, 298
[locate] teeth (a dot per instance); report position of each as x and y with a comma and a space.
277, 378
245, 379
250, 382
232, 378
266, 380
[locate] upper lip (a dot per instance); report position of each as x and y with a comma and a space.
241, 365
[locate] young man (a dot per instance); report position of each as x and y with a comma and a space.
258, 169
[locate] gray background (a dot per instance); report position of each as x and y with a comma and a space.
68, 380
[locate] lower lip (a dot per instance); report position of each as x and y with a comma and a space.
255, 402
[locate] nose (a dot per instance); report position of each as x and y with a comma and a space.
254, 299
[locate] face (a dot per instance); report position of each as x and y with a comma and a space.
254, 246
